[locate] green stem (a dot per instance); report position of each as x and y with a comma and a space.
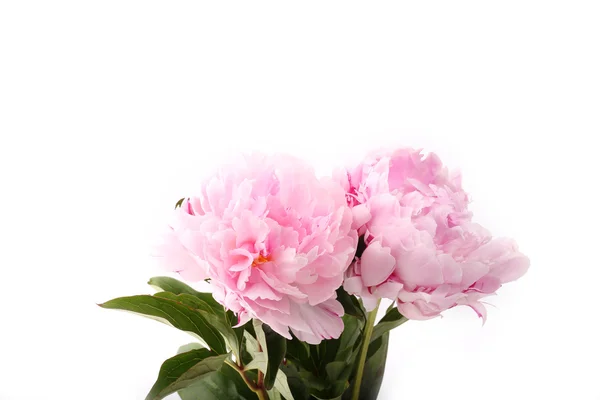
260, 391
262, 394
363, 352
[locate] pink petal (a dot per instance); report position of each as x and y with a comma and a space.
322, 288
353, 285
261, 290
369, 301
472, 272
249, 229
411, 311
420, 267
376, 264
172, 256
243, 277
193, 274
389, 290
487, 284
360, 215
282, 287
240, 259
282, 304
512, 269
324, 321
243, 317
480, 309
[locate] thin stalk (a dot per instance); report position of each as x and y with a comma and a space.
363, 352
262, 394
261, 385
260, 391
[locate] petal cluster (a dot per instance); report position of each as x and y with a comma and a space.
274, 240
420, 246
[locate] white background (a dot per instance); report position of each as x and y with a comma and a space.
111, 111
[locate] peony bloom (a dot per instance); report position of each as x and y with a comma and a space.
418, 244
275, 242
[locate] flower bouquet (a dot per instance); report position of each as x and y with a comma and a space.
298, 267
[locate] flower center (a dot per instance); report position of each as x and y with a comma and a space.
260, 260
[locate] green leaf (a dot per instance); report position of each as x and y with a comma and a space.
374, 369
335, 370
349, 340
315, 384
336, 382
231, 335
175, 286
176, 311
390, 307
274, 394
282, 385
273, 346
337, 357
391, 320
251, 343
325, 369
183, 370
188, 377
179, 202
259, 362
189, 347
351, 304
239, 331
172, 285
216, 317
299, 352
297, 385
260, 334
276, 348
271, 342
326, 397
224, 384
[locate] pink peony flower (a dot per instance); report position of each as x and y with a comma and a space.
275, 242
420, 247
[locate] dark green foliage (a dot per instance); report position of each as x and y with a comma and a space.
313, 372
179, 202
391, 320
184, 370
224, 384
276, 348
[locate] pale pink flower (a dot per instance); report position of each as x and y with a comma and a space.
275, 242
422, 249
